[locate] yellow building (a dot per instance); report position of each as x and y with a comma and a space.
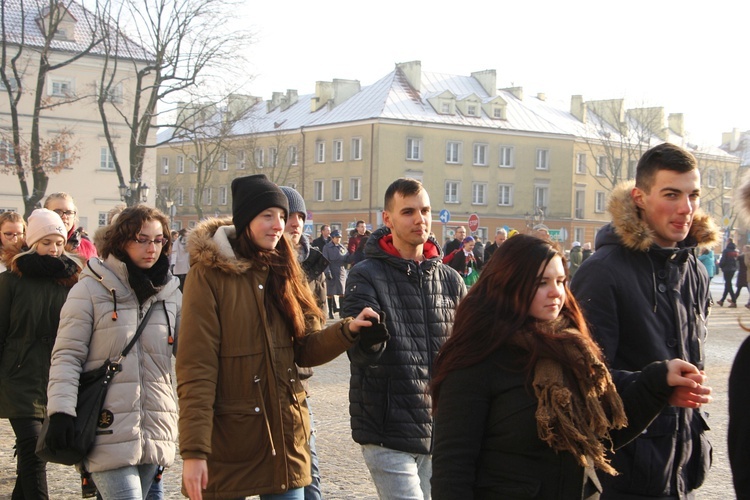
70, 95
512, 160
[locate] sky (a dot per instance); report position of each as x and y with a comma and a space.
687, 56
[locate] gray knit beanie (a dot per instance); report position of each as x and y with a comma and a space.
296, 203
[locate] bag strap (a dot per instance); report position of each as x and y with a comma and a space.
139, 330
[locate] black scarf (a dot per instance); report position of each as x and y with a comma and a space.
147, 282
34, 265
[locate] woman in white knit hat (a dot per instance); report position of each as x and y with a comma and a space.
32, 293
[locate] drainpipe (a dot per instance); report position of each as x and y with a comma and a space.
369, 201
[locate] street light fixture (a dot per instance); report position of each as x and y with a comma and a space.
126, 192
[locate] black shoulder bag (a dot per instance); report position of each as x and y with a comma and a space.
92, 390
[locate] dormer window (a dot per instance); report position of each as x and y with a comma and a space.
443, 103
471, 110
445, 108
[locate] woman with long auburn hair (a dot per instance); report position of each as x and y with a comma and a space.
249, 319
524, 404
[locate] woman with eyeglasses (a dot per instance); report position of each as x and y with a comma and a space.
12, 230
32, 292
64, 206
137, 427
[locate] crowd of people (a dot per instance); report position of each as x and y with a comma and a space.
508, 370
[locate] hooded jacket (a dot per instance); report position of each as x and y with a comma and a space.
242, 406
30, 302
646, 303
140, 401
388, 399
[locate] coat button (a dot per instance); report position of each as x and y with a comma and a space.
283, 486
662, 287
672, 342
257, 410
260, 287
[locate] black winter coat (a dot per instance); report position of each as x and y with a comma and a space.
388, 400
738, 433
644, 304
486, 441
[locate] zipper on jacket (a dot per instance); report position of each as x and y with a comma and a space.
256, 379
295, 399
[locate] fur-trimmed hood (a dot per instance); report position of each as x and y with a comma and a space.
208, 245
742, 198
635, 234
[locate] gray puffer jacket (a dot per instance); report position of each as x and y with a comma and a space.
141, 402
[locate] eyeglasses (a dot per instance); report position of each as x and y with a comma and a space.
65, 213
146, 242
10, 236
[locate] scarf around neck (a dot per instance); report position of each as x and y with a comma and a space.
578, 403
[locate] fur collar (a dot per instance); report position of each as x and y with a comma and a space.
635, 233
209, 246
63, 270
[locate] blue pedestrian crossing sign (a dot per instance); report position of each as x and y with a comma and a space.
445, 216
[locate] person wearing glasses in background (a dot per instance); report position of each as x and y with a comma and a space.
102, 313
12, 230
62, 204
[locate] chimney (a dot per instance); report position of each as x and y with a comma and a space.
275, 101
612, 111
541, 96
578, 108
516, 91
488, 80
238, 104
344, 89
323, 94
731, 139
289, 100
676, 123
413, 72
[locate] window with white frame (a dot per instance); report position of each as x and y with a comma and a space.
478, 193
452, 152
505, 195
618, 167
338, 150
413, 148
600, 201
207, 195
541, 196
356, 152
59, 87
106, 162
728, 179
191, 196
102, 219
193, 163
239, 157
506, 156
602, 164
273, 156
292, 155
726, 208
320, 152
223, 161
579, 234
542, 159
259, 155
451, 191
180, 164
445, 108
711, 180
165, 165
581, 163
709, 207
580, 210
480, 155
179, 199
355, 188
318, 190
632, 165
57, 157
7, 153
114, 93
336, 190
223, 195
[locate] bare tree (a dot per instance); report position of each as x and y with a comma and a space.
33, 30
188, 45
276, 156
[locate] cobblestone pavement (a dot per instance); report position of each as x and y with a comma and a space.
342, 467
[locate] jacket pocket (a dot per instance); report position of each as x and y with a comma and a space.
516, 487
240, 418
702, 453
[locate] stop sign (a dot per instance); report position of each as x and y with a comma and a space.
473, 222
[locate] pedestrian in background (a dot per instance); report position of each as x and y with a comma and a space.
404, 278
337, 256
181, 257
500, 238
249, 320
325, 237
576, 258
524, 404
64, 206
729, 265
12, 231
708, 259
104, 309
587, 252
32, 292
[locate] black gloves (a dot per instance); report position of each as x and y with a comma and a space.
370, 336
61, 431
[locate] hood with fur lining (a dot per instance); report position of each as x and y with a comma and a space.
636, 235
208, 245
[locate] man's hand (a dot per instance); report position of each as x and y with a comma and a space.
194, 477
687, 380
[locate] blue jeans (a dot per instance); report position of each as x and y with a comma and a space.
312, 490
126, 483
399, 475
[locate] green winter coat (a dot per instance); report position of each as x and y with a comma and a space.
30, 304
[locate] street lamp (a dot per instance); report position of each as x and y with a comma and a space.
534, 219
127, 192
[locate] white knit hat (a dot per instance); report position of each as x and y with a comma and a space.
43, 222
